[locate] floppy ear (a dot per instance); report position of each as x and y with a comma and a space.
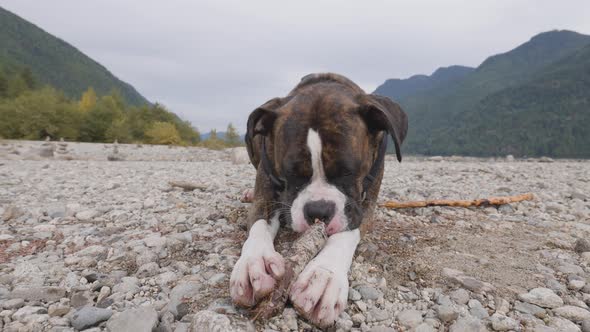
260, 122
381, 113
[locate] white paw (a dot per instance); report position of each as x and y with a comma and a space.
254, 275
319, 294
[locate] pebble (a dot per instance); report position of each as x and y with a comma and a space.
542, 297
87, 317
446, 313
572, 313
141, 319
503, 323
43, 293
410, 318
369, 293
460, 296
467, 324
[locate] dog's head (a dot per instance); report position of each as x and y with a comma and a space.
321, 149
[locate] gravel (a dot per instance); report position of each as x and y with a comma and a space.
88, 243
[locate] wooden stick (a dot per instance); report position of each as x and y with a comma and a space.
187, 186
460, 203
304, 249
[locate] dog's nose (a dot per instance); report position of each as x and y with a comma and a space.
322, 210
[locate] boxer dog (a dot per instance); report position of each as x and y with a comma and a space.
319, 154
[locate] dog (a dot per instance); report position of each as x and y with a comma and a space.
319, 154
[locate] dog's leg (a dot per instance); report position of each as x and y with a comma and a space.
259, 265
321, 290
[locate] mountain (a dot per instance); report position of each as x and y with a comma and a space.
400, 88
53, 61
436, 113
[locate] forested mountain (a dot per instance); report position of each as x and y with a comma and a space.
54, 62
399, 88
443, 118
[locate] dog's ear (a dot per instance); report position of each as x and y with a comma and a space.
381, 113
260, 122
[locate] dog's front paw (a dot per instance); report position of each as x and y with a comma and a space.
254, 276
319, 294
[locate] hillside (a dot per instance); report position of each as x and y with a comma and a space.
548, 115
54, 62
400, 88
433, 113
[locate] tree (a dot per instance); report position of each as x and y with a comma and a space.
213, 134
88, 100
163, 133
232, 138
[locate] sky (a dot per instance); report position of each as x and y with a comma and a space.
213, 62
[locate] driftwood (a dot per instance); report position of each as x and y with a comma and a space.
304, 249
187, 186
460, 203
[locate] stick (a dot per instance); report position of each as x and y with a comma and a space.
303, 250
460, 203
187, 186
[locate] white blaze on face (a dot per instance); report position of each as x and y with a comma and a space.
318, 189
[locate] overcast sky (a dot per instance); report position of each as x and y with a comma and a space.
212, 62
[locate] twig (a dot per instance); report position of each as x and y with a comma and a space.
187, 186
303, 250
460, 203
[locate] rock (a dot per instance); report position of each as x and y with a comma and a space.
503, 323
216, 279
27, 311
509, 158
209, 321
586, 325
424, 327
410, 318
178, 296
353, 294
446, 313
563, 325
378, 315
460, 296
141, 319
467, 324
87, 215
290, 317
127, 285
502, 306
476, 309
43, 293
369, 293
148, 270
573, 313
575, 282
87, 317
529, 308
56, 210
467, 282
80, 299
12, 304
58, 309
542, 297
383, 329
582, 245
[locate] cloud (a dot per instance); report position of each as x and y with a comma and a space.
213, 62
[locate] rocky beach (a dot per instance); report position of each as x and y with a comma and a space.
95, 239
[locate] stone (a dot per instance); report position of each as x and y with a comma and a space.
87, 317
26, 311
239, 156
563, 325
542, 297
446, 313
582, 245
586, 325
56, 210
290, 318
575, 282
43, 293
87, 215
381, 328
353, 294
410, 318
209, 321
369, 293
141, 319
467, 324
476, 309
178, 296
378, 315
460, 296
424, 327
502, 306
127, 285
573, 313
12, 304
148, 270
467, 282
503, 323
529, 308
58, 309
